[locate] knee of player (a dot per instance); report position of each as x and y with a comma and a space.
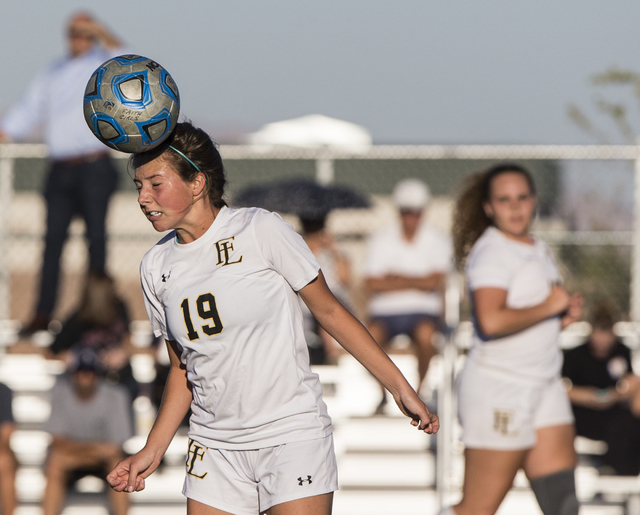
424, 333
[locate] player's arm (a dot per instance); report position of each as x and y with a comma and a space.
353, 336
99, 32
130, 473
495, 319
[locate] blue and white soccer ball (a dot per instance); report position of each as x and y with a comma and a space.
131, 103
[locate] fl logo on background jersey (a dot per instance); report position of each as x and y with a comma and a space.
225, 248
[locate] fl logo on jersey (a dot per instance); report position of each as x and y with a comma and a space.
225, 248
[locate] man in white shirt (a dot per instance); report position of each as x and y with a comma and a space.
81, 178
405, 273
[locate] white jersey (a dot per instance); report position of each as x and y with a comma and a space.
229, 300
390, 253
527, 273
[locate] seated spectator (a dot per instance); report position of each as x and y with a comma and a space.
102, 324
8, 462
90, 420
605, 394
405, 272
336, 269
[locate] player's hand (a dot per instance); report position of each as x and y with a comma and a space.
130, 473
574, 311
411, 405
558, 300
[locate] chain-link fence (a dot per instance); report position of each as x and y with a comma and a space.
586, 194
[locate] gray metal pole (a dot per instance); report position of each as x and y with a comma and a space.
6, 194
325, 172
446, 400
635, 267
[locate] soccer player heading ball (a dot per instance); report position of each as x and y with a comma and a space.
221, 288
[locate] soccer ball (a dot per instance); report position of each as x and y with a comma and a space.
131, 103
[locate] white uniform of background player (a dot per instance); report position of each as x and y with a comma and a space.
404, 270
510, 386
513, 408
229, 300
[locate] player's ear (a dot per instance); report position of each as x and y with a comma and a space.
488, 210
198, 184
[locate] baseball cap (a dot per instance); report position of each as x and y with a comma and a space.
411, 194
85, 360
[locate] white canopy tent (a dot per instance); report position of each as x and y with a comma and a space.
313, 131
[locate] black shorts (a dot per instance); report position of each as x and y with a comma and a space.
406, 323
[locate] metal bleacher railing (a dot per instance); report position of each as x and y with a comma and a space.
375, 171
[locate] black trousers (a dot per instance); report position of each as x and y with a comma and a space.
619, 429
80, 189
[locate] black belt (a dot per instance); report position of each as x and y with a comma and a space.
83, 159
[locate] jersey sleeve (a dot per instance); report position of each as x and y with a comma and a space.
285, 250
155, 310
489, 267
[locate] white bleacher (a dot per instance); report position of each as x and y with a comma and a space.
385, 465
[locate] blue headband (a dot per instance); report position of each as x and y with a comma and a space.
192, 163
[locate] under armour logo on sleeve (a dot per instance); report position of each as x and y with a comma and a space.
302, 481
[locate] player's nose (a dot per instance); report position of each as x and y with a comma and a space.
143, 196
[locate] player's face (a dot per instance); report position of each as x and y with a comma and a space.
164, 197
511, 205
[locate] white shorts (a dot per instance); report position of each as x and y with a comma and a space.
251, 482
499, 412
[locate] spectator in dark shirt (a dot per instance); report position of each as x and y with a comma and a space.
605, 394
102, 324
8, 462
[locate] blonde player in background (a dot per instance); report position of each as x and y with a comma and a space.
222, 288
513, 407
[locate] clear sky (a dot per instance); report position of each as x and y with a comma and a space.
410, 71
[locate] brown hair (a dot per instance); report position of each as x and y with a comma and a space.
603, 317
469, 218
99, 300
199, 148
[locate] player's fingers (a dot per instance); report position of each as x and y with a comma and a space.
140, 484
117, 478
133, 478
434, 423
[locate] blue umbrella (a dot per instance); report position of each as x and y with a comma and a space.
301, 197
